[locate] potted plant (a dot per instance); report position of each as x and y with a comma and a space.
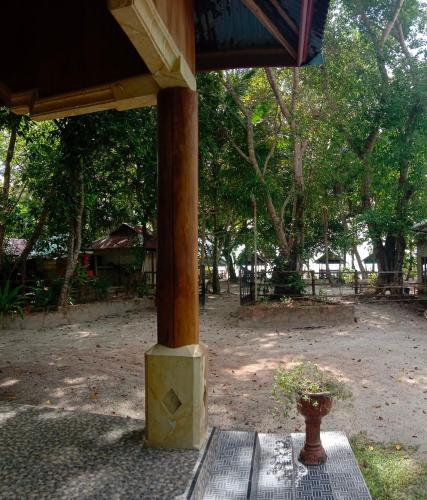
312, 390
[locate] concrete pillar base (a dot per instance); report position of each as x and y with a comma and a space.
175, 396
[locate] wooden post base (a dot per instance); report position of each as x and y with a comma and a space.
176, 400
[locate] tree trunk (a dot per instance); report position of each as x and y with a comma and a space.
390, 254
359, 261
297, 240
325, 225
74, 239
4, 199
232, 276
411, 260
203, 243
216, 286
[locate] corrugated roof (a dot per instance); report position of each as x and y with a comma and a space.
370, 259
126, 236
15, 246
227, 31
332, 259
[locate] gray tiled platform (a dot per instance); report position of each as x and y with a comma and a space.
51, 454
251, 466
230, 473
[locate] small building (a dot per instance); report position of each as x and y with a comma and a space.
421, 230
370, 262
335, 262
14, 246
125, 255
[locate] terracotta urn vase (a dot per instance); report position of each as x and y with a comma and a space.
313, 453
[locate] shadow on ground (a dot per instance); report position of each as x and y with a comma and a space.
48, 453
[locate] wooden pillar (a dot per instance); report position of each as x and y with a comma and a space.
177, 284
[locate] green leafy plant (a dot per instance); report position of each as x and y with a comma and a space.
43, 295
372, 279
100, 286
80, 276
296, 282
303, 379
142, 287
11, 301
347, 276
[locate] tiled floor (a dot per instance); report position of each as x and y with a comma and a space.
247, 465
52, 454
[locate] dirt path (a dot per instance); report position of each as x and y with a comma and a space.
99, 367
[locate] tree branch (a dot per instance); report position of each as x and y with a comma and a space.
239, 150
273, 84
285, 204
390, 25
401, 38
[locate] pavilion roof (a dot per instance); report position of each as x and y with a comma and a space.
332, 259
370, 259
251, 33
124, 237
77, 56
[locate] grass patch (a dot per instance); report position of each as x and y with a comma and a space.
390, 471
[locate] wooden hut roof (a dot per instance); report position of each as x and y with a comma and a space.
332, 259
370, 259
125, 236
249, 260
68, 57
15, 246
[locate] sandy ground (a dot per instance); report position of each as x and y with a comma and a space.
99, 367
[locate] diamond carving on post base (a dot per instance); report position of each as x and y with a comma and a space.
171, 401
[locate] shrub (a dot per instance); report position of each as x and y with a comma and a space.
142, 287
44, 296
100, 286
11, 301
292, 384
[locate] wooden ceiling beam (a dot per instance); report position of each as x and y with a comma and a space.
270, 26
243, 58
130, 93
150, 36
289, 21
306, 17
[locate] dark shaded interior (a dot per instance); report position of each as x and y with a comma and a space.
61, 46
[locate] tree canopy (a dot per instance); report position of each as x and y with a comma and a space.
333, 155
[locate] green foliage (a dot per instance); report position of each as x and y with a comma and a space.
43, 296
142, 288
390, 471
11, 301
347, 276
297, 283
79, 278
303, 379
372, 279
100, 285
338, 106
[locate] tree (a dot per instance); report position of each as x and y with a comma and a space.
374, 85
